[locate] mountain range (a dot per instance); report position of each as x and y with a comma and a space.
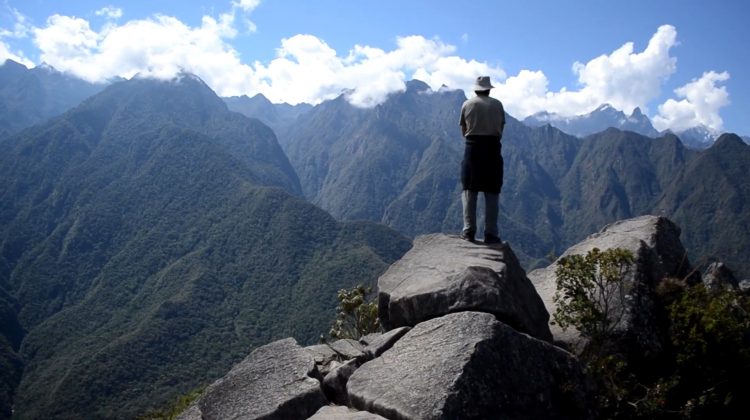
397, 164
605, 116
273, 115
150, 239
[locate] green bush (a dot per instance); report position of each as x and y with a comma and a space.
711, 348
705, 370
590, 292
355, 316
175, 408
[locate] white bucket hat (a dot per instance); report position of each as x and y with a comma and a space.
483, 83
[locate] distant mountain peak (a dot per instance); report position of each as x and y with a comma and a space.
182, 77
729, 140
415, 85
698, 137
259, 97
46, 67
8, 63
605, 108
601, 118
187, 77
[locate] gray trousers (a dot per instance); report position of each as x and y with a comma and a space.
491, 207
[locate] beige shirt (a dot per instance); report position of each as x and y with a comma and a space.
482, 115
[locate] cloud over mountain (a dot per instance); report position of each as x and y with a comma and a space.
625, 79
307, 69
702, 99
20, 29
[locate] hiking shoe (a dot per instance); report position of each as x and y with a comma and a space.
491, 239
467, 236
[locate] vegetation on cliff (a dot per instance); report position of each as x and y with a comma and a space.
704, 370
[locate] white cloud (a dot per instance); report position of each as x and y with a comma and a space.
109, 12
160, 47
702, 99
246, 5
625, 79
68, 44
307, 69
21, 26
7, 54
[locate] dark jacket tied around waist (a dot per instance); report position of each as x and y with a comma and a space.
482, 167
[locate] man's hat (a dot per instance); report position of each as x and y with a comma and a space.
483, 83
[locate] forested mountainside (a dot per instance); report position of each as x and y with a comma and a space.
31, 96
150, 239
149, 223
398, 163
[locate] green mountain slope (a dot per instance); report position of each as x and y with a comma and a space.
31, 96
355, 162
11, 365
710, 198
151, 239
617, 175
398, 163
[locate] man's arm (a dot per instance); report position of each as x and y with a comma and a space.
462, 120
502, 119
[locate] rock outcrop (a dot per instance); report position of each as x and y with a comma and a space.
466, 337
658, 252
383, 342
443, 274
718, 276
468, 365
275, 381
334, 383
744, 287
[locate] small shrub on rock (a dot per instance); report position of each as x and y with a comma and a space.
590, 292
355, 315
706, 367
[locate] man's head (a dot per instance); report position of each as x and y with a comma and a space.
482, 86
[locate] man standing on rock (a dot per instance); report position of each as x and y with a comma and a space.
482, 122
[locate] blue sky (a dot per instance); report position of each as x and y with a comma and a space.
683, 62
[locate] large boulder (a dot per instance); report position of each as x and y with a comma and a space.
273, 382
718, 277
655, 244
334, 383
348, 348
323, 355
469, 365
744, 287
384, 341
444, 274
